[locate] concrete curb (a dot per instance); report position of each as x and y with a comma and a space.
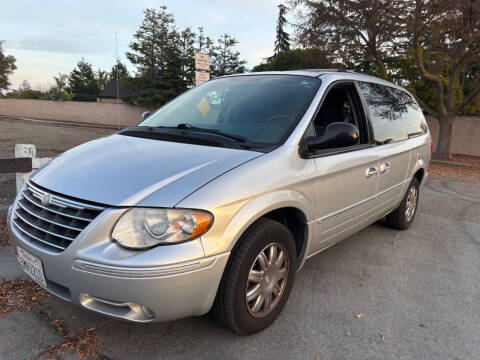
63, 123
453, 163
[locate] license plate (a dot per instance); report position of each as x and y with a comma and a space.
31, 265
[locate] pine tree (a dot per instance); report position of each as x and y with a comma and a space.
282, 41
7, 67
205, 44
155, 53
225, 59
186, 46
83, 82
123, 73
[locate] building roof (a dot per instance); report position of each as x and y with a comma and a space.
110, 90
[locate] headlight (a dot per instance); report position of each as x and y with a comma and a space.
141, 228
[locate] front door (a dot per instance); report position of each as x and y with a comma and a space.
346, 194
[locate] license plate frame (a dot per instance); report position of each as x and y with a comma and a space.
32, 266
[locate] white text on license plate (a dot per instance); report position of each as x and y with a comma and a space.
31, 265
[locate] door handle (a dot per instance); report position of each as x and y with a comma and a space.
371, 171
384, 167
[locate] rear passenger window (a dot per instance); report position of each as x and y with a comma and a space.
395, 115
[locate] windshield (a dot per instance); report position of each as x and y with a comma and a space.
261, 109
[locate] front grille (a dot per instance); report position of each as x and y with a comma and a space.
50, 220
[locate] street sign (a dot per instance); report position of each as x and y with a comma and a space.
201, 77
202, 62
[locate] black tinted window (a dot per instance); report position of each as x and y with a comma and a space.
395, 114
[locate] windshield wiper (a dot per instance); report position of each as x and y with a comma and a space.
245, 142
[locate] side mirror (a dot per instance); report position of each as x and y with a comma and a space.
337, 135
145, 115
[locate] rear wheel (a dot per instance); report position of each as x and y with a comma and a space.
402, 218
258, 278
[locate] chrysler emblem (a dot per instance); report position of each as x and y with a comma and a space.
46, 199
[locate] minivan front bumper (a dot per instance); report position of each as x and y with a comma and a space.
161, 284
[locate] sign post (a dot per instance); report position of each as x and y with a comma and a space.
202, 68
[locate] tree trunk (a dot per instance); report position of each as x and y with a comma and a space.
443, 151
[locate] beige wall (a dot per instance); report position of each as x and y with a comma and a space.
466, 134
110, 100
72, 111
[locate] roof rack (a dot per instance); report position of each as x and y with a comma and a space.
331, 70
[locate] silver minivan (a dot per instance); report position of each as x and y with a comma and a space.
213, 202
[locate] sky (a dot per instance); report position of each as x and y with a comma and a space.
49, 37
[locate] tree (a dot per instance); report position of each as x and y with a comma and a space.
164, 58
25, 85
58, 91
295, 60
61, 81
282, 41
350, 29
186, 47
102, 78
445, 37
123, 73
83, 82
226, 60
7, 67
25, 91
204, 44
157, 60
430, 46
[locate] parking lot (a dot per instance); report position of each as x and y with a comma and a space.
380, 294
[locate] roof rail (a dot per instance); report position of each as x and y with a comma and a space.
349, 71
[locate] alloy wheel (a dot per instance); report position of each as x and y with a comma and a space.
267, 280
411, 204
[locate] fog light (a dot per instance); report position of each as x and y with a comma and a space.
125, 310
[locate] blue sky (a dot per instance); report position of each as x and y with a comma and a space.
48, 37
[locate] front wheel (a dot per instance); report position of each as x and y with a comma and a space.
258, 278
402, 218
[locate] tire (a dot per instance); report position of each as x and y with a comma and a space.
231, 308
398, 219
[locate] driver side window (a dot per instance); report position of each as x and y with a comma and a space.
341, 104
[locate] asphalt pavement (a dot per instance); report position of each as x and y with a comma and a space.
380, 294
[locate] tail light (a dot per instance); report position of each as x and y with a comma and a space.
431, 146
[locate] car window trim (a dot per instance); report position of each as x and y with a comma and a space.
366, 114
328, 152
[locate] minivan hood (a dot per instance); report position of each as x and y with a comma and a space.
121, 170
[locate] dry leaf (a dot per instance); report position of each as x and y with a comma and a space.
358, 316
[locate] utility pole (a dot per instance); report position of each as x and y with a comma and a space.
116, 59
